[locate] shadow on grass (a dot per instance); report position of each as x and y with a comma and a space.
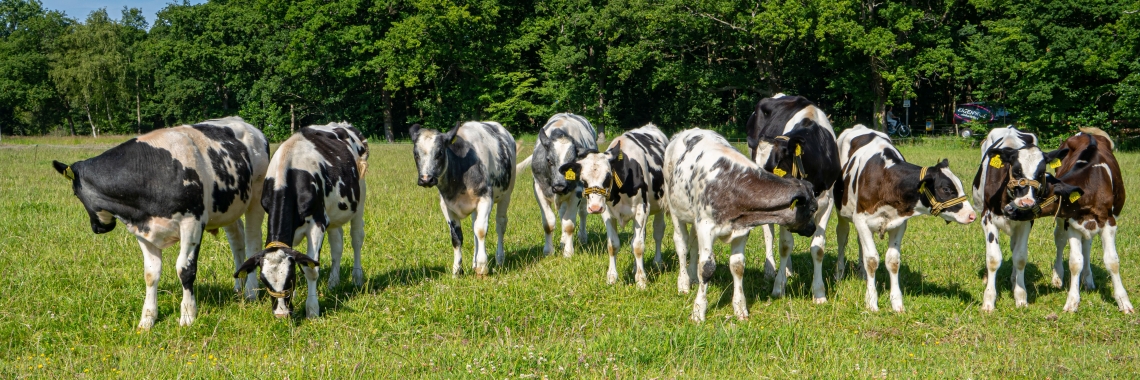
1032, 275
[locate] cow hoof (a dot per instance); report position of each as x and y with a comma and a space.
237, 285
1126, 307
611, 277
482, 271
697, 317
777, 293
820, 300
186, 320
640, 280
898, 308
1071, 305
358, 277
988, 308
1089, 285
334, 281
839, 274
873, 308
1020, 303
146, 324
1057, 282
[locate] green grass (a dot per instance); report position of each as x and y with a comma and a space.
70, 300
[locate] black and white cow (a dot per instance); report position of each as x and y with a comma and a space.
315, 184
791, 136
1011, 178
564, 139
880, 191
623, 184
473, 166
168, 186
723, 195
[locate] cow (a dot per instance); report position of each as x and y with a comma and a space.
722, 194
623, 184
1008, 188
879, 192
564, 139
314, 185
1090, 166
473, 167
170, 185
789, 135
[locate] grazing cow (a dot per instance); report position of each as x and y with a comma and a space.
625, 183
168, 186
879, 192
564, 139
723, 195
1089, 165
789, 135
315, 184
1010, 185
473, 166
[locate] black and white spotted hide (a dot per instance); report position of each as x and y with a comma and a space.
626, 184
716, 190
168, 186
314, 186
473, 167
566, 138
279, 274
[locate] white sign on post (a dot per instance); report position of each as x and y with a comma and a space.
906, 103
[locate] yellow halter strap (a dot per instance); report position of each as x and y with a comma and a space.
276, 244
936, 207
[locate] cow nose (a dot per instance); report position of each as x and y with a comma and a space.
1025, 202
558, 188
427, 181
970, 218
594, 209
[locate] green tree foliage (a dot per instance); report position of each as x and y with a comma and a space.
383, 64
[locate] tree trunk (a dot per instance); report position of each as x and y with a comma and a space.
138, 106
67, 112
292, 120
387, 98
87, 107
880, 98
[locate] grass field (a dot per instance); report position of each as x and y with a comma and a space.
70, 300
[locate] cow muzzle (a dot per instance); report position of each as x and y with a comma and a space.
594, 208
427, 181
560, 188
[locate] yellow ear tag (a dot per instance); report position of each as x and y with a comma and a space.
799, 151
620, 156
68, 173
311, 265
779, 172
1056, 163
242, 274
922, 188
996, 162
453, 138
570, 176
794, 203
1074, 196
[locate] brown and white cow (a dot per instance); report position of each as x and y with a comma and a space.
791, 136
880, 191
169, 185
722, 195
1008, 189
1090, 165
623, 184
314, 185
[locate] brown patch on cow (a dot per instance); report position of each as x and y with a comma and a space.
859, 142
1104, 194
871, 263
1019, 264
638, 252
896, 187
893, 266
149, 279
1112, 267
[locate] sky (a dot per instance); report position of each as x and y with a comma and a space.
78, 9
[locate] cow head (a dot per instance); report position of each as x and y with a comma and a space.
804, 204
429, 148
102, 221
1024, 175
943, 195
782, 155
278, 265
560, 150
596, 172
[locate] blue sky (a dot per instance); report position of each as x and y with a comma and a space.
78, 9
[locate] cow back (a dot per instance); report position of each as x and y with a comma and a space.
640, 169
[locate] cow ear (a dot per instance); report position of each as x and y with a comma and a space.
302, 259
944, 164
414, 131
571, 171
543, 138
63, 169
249, 265
754, 123
1000, 157
1053, 159
450, 135
1067, 192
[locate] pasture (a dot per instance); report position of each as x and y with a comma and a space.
70, 300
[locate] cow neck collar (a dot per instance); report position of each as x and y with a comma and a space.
936, 207
615, 185
1039, 204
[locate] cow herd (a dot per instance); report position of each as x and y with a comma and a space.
173, 184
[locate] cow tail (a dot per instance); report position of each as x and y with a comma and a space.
523, 165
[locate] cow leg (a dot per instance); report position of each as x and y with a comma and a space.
893, 261
870, 260
842, 229
1076, 266
787, 242
501, 228
254, 216
235, 234
453, 225
613, 244
769, 260
547, 214
582, 233
1019, 252
480, 221
681, 244
187, 266
706, 267
736, 266
336, 247
1112, 263
568, 212
152, 271
357, 233
658, 234
1086, 273
819, 292
316, 237
1060, 240
993, 262
640, 223
693, 254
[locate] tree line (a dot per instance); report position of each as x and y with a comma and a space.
384, 64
